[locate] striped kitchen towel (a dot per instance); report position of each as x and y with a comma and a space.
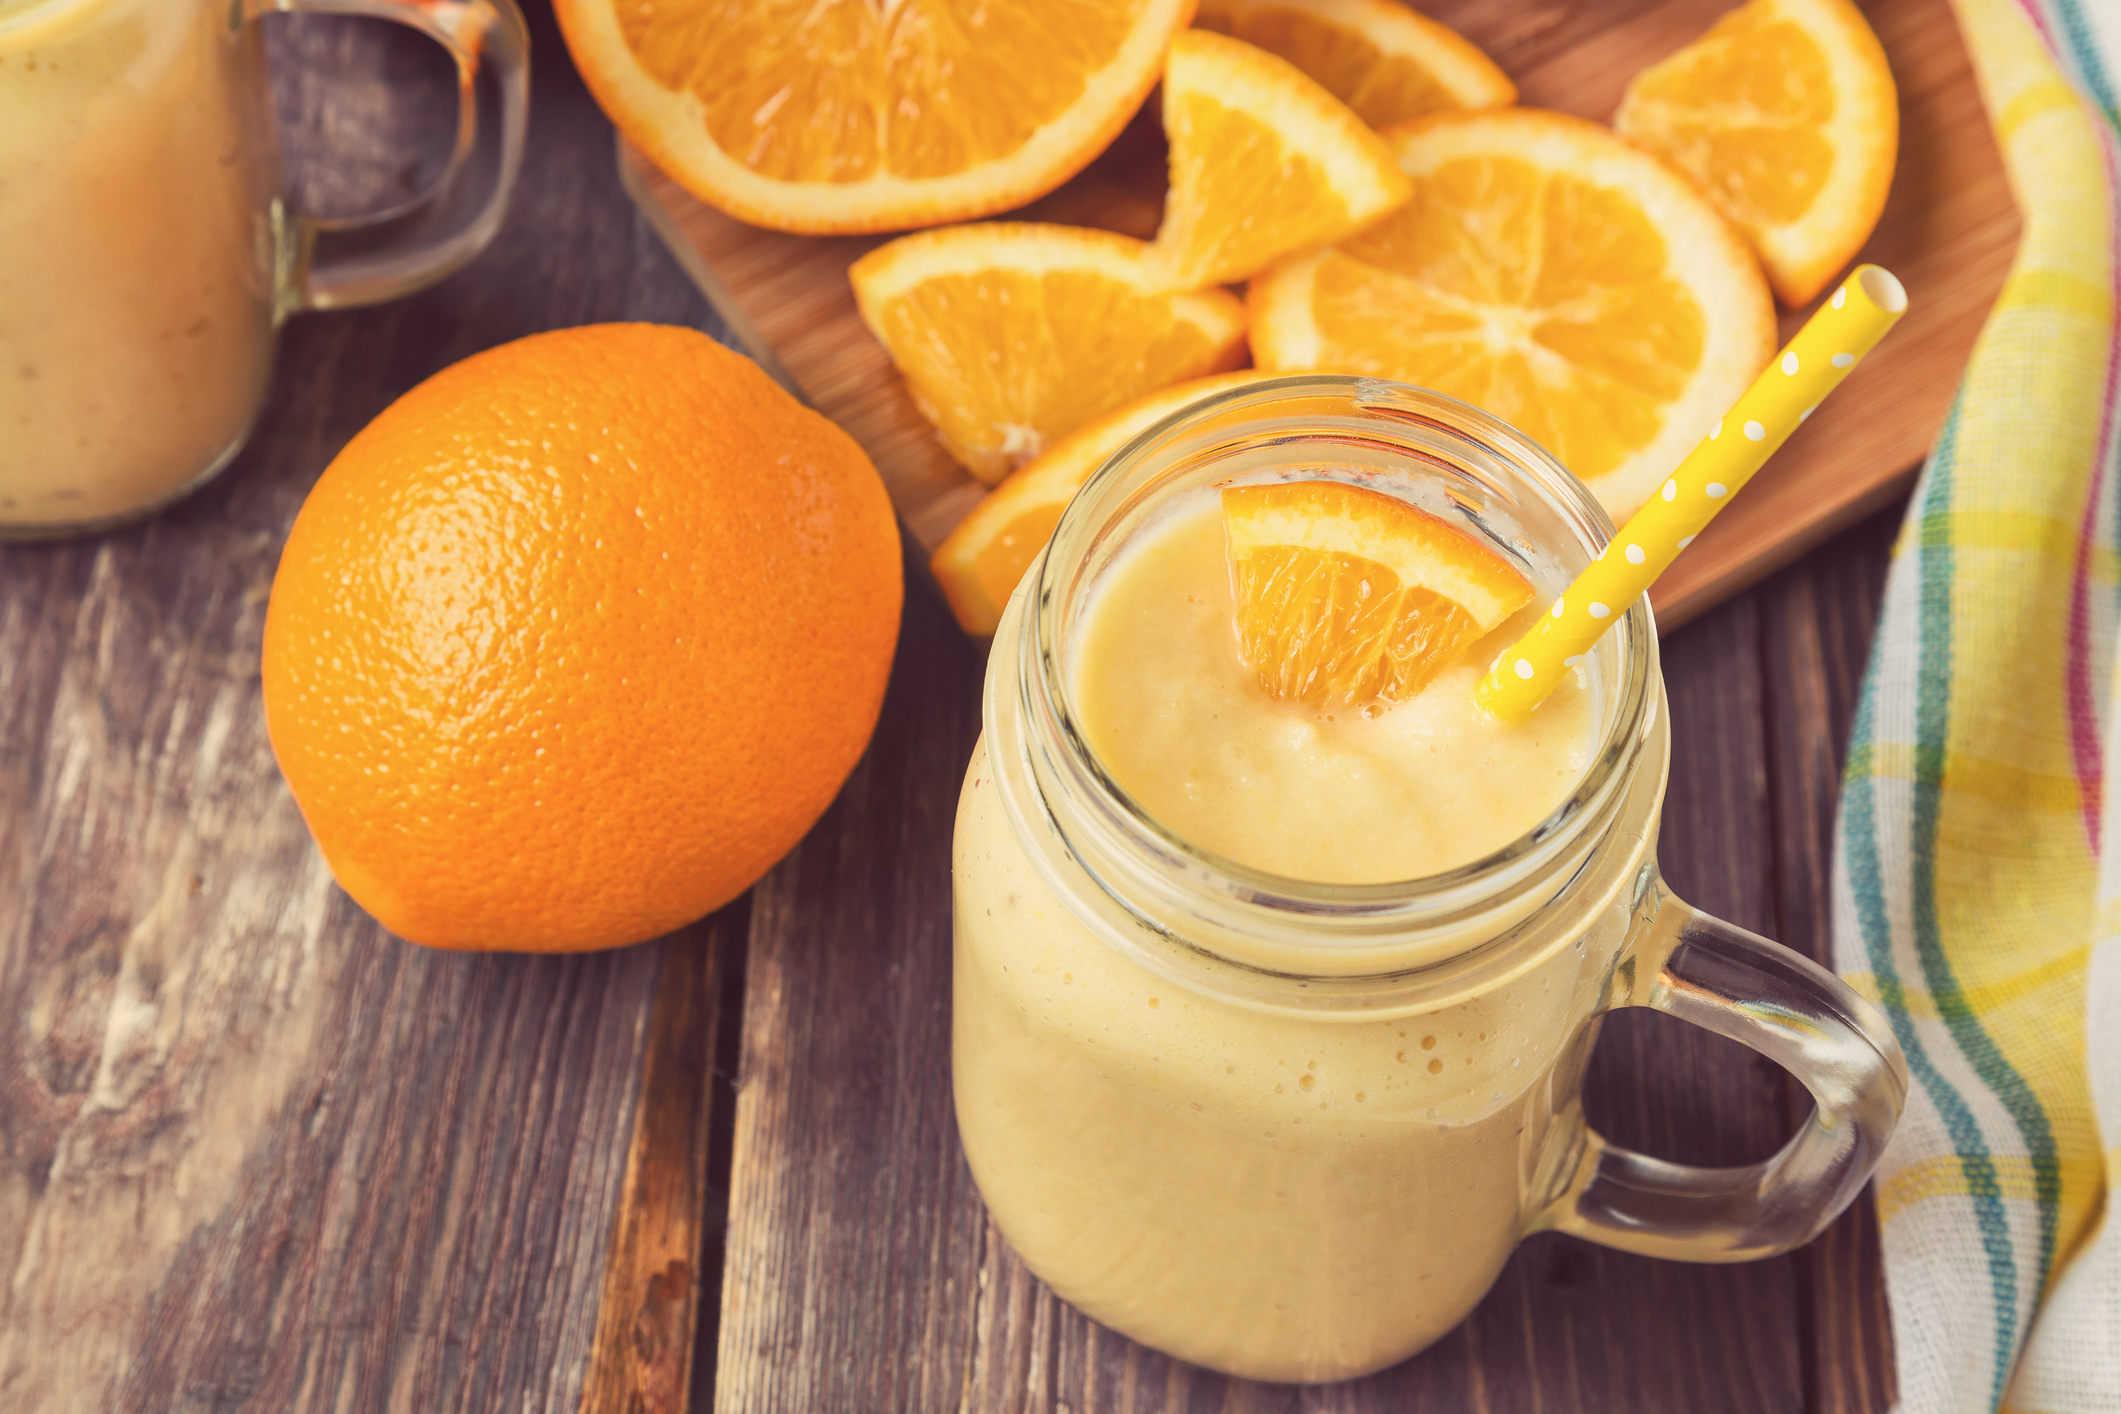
1972, 898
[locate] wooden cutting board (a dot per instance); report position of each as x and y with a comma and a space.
1948, 231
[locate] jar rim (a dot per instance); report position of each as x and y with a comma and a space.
1106, 495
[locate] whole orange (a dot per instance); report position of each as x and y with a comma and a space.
577, 638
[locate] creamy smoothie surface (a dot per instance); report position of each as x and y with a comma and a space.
1359, 796
135, 308
1285, 1196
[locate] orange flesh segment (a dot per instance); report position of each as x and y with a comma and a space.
1348, 596
1000, 564
1384, 60
843, 92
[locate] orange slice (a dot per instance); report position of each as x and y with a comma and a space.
1386, 62
1785, 116
1263, 162
1010, 334
1346, 595
849, 115
1546, 272
981, 562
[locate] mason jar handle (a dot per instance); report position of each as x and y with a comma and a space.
336, 264
1797, 1014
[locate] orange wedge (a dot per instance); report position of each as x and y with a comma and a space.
1263, 162
1347, 596
1785, 116
1011, 335
849, 115
1386, 62
980, 563
1546, 272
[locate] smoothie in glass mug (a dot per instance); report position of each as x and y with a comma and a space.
1271, 1021
145, 257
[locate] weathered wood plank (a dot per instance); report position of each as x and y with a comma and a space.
648, 1313
854, 1234
1817, 620
255, 1154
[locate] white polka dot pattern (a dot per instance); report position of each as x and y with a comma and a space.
1784, 394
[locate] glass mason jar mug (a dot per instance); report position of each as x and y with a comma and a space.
1302, 1165
146, 260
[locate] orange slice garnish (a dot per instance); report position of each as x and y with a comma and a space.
1385, 61
1348, 596
849, 115
1786, 118
1263, 162
1011, 335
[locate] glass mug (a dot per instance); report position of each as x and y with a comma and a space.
1312, 1159
146, 259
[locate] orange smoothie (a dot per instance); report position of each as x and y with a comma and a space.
1282, 1196
135, 255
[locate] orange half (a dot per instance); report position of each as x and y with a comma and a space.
850, 115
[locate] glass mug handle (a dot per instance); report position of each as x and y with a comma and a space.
1797, 1014
336, 264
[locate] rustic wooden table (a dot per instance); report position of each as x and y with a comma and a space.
255, 1154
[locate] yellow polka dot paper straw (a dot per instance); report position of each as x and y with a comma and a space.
1866, 305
